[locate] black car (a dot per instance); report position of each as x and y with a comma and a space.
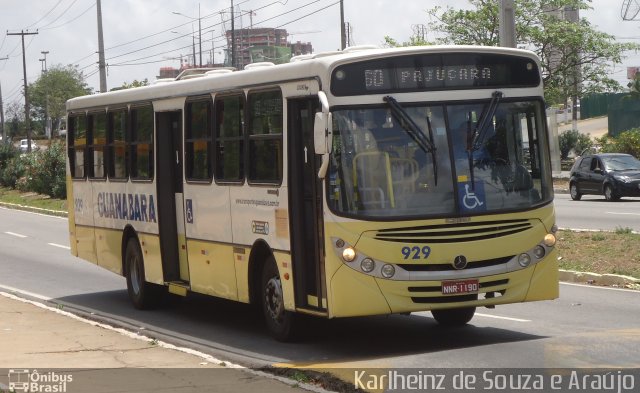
613, 175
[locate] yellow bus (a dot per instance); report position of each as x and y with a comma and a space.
359, 182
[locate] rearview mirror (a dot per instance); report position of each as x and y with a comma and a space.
320, 134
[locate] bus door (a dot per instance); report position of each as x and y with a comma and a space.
171, 226
305, 206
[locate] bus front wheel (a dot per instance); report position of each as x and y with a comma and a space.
143, 295
454, 316
280, 322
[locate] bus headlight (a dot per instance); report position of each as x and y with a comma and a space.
549, 240
388, 271
539, 252
349, 254
524, 260
367, 265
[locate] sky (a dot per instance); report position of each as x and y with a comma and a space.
140, 36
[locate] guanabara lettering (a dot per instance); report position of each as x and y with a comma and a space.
132, 207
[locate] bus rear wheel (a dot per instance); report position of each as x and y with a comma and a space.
454, 316
143, 295
280, 322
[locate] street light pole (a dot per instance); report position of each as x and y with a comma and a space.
199, 34
45, 53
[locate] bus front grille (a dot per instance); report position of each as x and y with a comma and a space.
443, 267
452, 233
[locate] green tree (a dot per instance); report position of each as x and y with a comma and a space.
575, 57
135, 83
52, 90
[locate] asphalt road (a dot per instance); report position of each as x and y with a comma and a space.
593, 212
585, 327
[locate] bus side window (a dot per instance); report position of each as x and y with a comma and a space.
265, 137
117, 144
142, 143
229, 138
96, 147
77, 145
198, 140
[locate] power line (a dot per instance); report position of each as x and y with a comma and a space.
71, 20
60, 16
46, 14
209, 28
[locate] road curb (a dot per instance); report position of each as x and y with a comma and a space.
32, 209
608, 280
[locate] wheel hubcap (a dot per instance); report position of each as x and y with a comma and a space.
273, 299
135, 275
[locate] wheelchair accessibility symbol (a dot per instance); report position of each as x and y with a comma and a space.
189, 212
472, 199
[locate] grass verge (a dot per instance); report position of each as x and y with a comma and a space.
31, 199
615, 252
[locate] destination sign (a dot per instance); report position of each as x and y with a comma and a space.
444, 71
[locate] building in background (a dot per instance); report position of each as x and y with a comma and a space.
252, 46
263, 44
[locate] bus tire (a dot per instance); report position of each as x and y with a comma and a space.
454, 316
143, 295
280, 322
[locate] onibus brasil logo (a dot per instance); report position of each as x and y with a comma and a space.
21, 380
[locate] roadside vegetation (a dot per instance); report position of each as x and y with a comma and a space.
41, 172
616, 252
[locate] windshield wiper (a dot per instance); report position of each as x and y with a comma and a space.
480, 132
415, 132
476, 138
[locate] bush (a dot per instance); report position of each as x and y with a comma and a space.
13, 171
41, 171
46, 169
573, 140
567, 140
627, 142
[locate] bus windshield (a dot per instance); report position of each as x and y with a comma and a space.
379, 170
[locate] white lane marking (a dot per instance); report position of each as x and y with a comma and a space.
15, 234
59, 246
25, 293
599, 287
505, 318
624, 214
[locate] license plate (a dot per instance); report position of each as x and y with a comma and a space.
460, 286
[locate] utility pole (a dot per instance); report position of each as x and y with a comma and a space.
343, 33
26, 95
507, 20
47, 125
101, 63
2, 132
